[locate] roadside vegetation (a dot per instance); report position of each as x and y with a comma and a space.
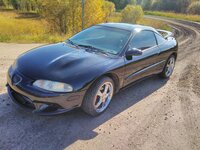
177, 6
44, 21
174, 15
194, 8
129, 10
15, 29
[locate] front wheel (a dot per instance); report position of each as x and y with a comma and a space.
169, 67
98, 97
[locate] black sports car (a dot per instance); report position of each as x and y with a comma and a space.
88, 68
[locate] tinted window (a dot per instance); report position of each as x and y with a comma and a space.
160, 39
143, 40
110, 40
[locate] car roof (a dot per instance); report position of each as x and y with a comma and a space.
129, 27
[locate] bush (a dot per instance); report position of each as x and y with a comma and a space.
108, 9
65, 16
131, 14
55, 12
194, 8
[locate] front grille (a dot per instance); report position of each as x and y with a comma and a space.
22, 100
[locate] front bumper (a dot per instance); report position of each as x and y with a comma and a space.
41, 102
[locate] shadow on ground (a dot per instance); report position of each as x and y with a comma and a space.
20, 129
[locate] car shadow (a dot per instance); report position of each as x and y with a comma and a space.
21, 129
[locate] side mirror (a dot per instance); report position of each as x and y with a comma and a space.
133, 52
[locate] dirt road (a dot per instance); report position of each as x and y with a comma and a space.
152, 115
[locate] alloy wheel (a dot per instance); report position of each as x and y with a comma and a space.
170, 66
103, 97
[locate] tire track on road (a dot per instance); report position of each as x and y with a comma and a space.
186, 79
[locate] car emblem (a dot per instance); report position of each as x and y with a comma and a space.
16, 79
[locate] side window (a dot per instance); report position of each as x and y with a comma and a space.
143, 40
160, 39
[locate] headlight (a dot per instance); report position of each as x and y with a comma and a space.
53, 86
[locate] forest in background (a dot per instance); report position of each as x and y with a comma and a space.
180, 6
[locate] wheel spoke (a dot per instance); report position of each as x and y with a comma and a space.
100, 94
167, 72
99, 103
107, 95
172, 62
171, 69
168, 64
106, 89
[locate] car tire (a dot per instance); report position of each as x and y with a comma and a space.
98, 96
169, 67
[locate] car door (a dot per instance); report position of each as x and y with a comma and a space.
145, 64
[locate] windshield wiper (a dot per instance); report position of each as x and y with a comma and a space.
72, 43
88, 46
93, 48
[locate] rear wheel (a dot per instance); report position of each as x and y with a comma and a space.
169, 67
98, 97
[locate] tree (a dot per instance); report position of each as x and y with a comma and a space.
55, 12
138, 2
64, 16
182, 5
24, 5
4, 3
194, 8
94, 12
108, 9
166, 5
146, 4
15, 4
156, 5
74, 23
121, 4
131, 14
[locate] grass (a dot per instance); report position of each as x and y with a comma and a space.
23, 28
15, 29
189, 17
154, 23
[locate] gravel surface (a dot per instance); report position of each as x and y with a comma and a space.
153, 114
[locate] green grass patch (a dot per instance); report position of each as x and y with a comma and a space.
157, 24
26, 30
189, 17
20, 28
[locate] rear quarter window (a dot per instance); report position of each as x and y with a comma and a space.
160, 39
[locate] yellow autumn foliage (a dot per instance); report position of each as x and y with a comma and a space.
66, 15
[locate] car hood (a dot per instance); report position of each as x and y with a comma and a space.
57, 62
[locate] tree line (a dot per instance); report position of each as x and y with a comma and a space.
180, 6
23, 5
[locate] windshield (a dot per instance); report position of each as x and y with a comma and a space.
106, 39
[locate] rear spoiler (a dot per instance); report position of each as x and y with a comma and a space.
165, 33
